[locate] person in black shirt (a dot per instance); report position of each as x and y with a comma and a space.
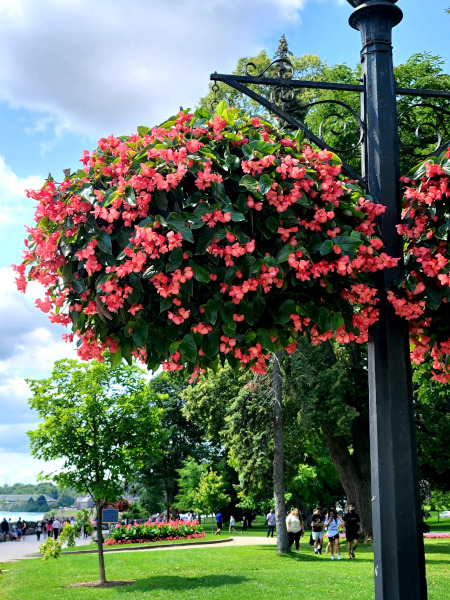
317, 522
351, 520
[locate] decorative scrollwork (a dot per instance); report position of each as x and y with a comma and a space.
285, 69
331, 120
430, 126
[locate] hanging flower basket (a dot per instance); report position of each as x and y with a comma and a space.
208, 238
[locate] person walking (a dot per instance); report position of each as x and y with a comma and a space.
270, 518
334, 520
295, 527
5, 528
38, 530
232, 524
19, 529
56, 527
317, 523
352, 522
219, 522
244, 525
49, 528
24, 530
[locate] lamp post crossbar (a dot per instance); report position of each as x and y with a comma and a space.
399, 561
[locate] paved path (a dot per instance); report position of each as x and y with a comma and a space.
12, 551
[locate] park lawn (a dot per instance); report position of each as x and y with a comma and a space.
442, 526
224, 573
209, 537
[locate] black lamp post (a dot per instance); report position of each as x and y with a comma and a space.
397, 523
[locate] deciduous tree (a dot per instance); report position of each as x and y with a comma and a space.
101, 423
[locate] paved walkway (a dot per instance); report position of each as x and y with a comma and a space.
12, 551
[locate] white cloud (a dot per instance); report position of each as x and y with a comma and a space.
15, 208
22, 468
107, 66
29, 346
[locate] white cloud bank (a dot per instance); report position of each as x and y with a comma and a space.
108, 66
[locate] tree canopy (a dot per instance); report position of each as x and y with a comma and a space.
101, 423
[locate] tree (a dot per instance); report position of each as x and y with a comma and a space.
210, 495
100, 422
181, 438
329, 385
189, 479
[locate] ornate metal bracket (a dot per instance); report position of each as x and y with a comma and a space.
282, 102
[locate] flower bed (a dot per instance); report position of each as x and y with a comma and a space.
435, 535
155, 532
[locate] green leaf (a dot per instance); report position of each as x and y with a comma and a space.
265, 340
218, 191
272, 223
264, 147
205, 240
109, 197
140, 333
211, 343
285, 311
248, 152
188, 348
250, 337
235, 214
249, 182
212, 307
87, 193
221, 108
326, 247
160, 200
177, 223
285, 252
299, 136
175, 259
130, 196
104, 242
242, 204
347, 244
265, 184
200, 273
115, 358
142, 130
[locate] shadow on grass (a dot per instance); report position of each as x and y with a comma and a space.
182, 583
308, 556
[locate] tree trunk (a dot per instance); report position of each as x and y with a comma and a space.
355, 482
101, 558
278, 459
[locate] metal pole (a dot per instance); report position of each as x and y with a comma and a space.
398, 540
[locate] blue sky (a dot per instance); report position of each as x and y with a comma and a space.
72, 71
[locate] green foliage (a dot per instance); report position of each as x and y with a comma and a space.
307, 66
180, 438
100, 422
189, 479
338, 126
207, 403
432, 415
210, 495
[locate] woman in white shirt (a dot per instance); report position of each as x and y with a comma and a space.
295, 528
334, 520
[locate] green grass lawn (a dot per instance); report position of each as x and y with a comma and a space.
442, 525
249, 573
209, 537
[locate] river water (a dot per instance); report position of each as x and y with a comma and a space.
25, 516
